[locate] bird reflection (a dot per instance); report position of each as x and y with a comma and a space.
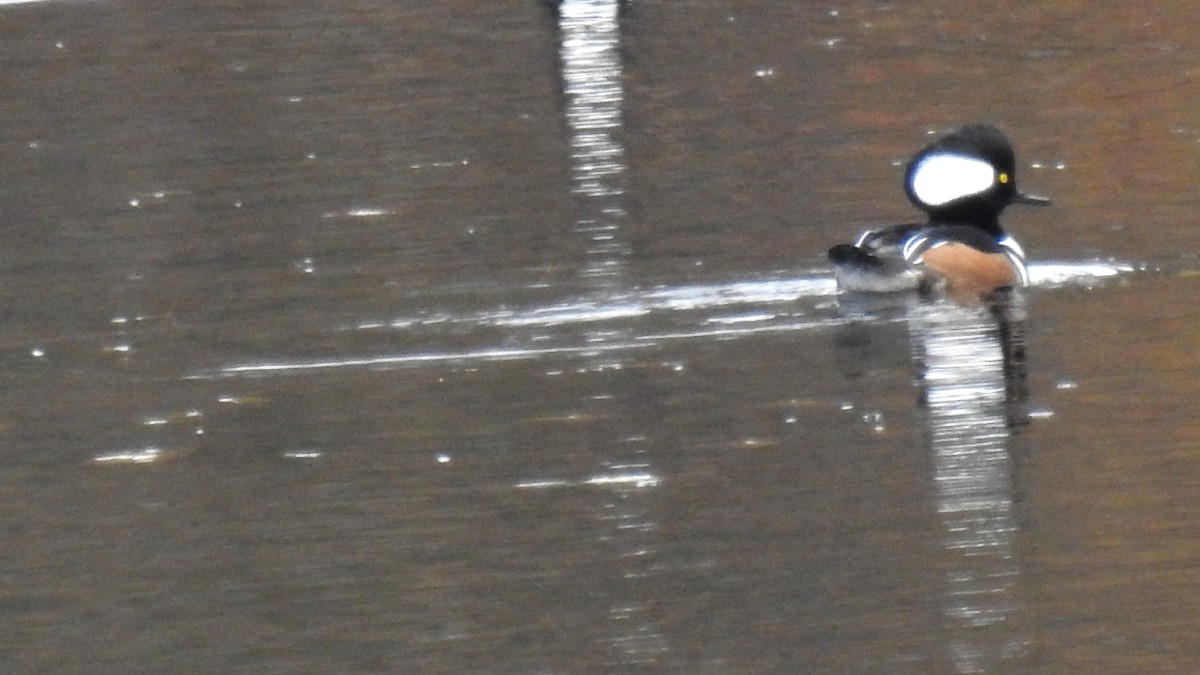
971, 367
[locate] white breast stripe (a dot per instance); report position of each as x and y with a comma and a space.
862, 238
1011, 245
911, 247
1018, 265
941, 179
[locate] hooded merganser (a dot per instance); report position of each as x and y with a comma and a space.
962, 182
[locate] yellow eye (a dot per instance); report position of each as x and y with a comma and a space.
1003, 179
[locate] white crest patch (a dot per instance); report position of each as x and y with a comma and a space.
940, 179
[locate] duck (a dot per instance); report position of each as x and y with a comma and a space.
962, 182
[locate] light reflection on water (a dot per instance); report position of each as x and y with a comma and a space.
591, 72
737, 309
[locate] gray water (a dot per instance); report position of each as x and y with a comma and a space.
465, 337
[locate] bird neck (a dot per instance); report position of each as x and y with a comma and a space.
987, 223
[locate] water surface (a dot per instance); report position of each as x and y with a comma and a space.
402, 337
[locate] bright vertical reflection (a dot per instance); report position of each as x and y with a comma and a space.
590, 33
971, 368
591, 74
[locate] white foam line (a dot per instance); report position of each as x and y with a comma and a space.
141, 456
1052, 272
544, 483
363, 212
643, 479
756, 317
741, 292
508, 354
640, 480
741, 331
638, 304
711, 296
499, 354
670, 298
571, 314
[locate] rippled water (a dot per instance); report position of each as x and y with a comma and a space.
449, 337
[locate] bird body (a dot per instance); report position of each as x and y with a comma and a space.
962, 181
